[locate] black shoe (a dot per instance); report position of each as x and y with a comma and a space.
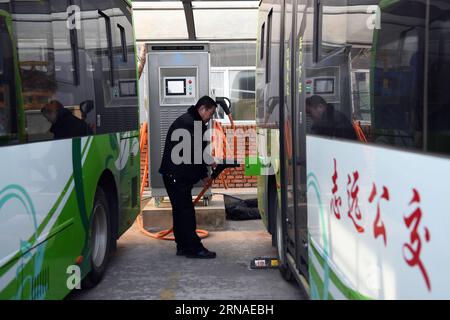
181, 252
202, 254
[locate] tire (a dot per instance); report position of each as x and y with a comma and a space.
283, 266
99, 239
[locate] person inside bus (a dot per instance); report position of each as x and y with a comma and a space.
179, 180
327, 121
64, 123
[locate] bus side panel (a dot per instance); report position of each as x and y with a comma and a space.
260, 83
375, 214
267, 105
48, 237
380, 260
129, 173
118, 153
38, 221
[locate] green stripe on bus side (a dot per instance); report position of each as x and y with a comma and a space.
19, 193
44, 223
88, 140
346, 291
55, 206
63, 193
78, 179
60, 198
317, 280
339, 285
50, 214
313, 183
386, 3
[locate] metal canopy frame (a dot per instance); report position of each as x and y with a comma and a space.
189, 6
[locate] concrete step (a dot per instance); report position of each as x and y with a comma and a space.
241, 193
211, 217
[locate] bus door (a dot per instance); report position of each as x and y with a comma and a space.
287, 133
322, 71
300, 55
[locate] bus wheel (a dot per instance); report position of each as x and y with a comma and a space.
283, 266
99, 239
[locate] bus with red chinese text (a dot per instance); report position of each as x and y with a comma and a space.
353, 121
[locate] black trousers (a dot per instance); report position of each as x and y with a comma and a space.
183, 212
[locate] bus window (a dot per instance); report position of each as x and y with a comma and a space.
361, 95
337, 81
397, 111
47, 63
125, 86
242, 94
261, 39
123, 42
65, 45
8, 125
333, 26
106, 55
92, 59
269, 45
438, 80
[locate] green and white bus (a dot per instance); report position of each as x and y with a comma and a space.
353, 120
65, 198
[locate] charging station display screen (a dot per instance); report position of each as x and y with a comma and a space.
175, 87
324, 86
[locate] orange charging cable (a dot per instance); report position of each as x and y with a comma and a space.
164, 234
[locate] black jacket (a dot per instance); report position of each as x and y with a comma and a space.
68, 126
334, 124
187, 172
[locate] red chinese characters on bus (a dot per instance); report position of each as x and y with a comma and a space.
412, 250
354, 212
336, 201
378, 226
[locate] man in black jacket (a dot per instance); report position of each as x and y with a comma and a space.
327, 121
181, 168
64, 123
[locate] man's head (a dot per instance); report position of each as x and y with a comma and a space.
315, 107
50, 110
206, 107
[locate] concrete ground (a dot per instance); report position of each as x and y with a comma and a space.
145, 268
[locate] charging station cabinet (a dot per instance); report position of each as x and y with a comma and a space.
178, 78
